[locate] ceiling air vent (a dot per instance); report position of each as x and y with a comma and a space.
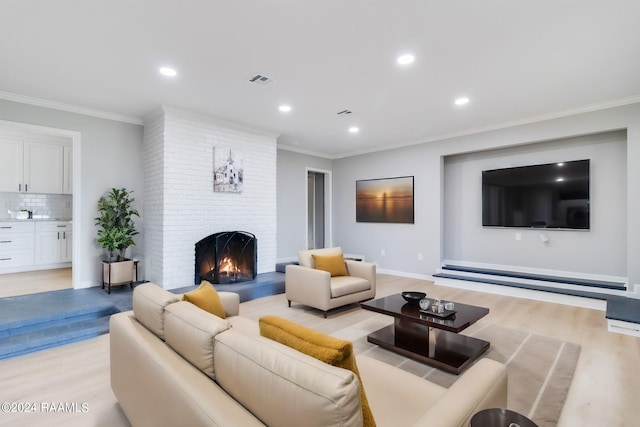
344, 112
260, 80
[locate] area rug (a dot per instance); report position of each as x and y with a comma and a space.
540, 369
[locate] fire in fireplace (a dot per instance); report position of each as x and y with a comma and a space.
227, 257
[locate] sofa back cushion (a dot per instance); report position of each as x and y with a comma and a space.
305, 258
191, 331
323, 347
282, 386
149, 302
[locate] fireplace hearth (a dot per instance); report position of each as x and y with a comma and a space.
227, 257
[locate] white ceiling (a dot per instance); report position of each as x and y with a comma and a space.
516, 60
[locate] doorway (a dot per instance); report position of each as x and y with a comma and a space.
38, 281
318, 208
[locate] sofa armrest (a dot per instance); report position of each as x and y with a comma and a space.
230, 302
482, 386
307, 285
366, 270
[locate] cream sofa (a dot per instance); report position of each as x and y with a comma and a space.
316, 288
173, 364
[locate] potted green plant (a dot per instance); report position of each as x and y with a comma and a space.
116, 235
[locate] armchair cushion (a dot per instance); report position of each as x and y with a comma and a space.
306, 260
334, 264
346, 285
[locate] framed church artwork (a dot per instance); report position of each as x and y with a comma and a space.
228, 170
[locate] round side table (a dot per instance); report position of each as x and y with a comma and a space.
499, 417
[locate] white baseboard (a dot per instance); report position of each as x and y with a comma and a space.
626, 328
540, 271
571, 300
34, 267
87, 284
404, 274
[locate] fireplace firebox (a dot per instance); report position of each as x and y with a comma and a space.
227, 257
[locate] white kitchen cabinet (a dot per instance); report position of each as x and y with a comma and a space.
53, 242
11, 165
33, 167
43, 167
16, 244
67, 253
67, 174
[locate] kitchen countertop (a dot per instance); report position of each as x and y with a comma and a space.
35, 219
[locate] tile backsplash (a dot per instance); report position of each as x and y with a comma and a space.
42, 205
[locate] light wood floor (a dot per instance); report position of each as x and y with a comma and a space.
32, 282
604, 391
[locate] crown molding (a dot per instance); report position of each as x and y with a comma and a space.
307, 152
39, 102
504, 125
216, 121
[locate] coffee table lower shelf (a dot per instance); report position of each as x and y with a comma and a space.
444, 350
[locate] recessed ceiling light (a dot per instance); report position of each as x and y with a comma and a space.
462, 101
169, 72
354, 129
559, 179
284, 108
406, 59
560, 164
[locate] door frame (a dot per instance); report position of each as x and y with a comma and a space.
76, 237
328, 197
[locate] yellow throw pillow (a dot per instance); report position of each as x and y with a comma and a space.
206, 297
334, 264
323, 347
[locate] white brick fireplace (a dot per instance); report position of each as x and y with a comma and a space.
180, 206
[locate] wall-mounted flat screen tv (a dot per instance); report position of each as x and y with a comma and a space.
553, 195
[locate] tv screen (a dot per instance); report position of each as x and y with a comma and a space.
553, 195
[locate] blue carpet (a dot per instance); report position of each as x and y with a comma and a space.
36, 322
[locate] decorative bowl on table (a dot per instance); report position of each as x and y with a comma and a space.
413, 297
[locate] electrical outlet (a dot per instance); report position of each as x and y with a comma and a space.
518, 236
383, 252
419, 256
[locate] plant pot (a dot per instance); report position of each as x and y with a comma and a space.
116, 273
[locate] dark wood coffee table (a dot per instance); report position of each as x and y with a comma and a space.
412, 336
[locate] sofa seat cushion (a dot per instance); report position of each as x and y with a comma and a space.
347, 285
190, 331
385, 384
282, 386
149, 302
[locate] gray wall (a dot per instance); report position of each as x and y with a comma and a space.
292, 200
466, 240
402, 242
111, 156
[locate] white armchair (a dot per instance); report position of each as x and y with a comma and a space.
318, 289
